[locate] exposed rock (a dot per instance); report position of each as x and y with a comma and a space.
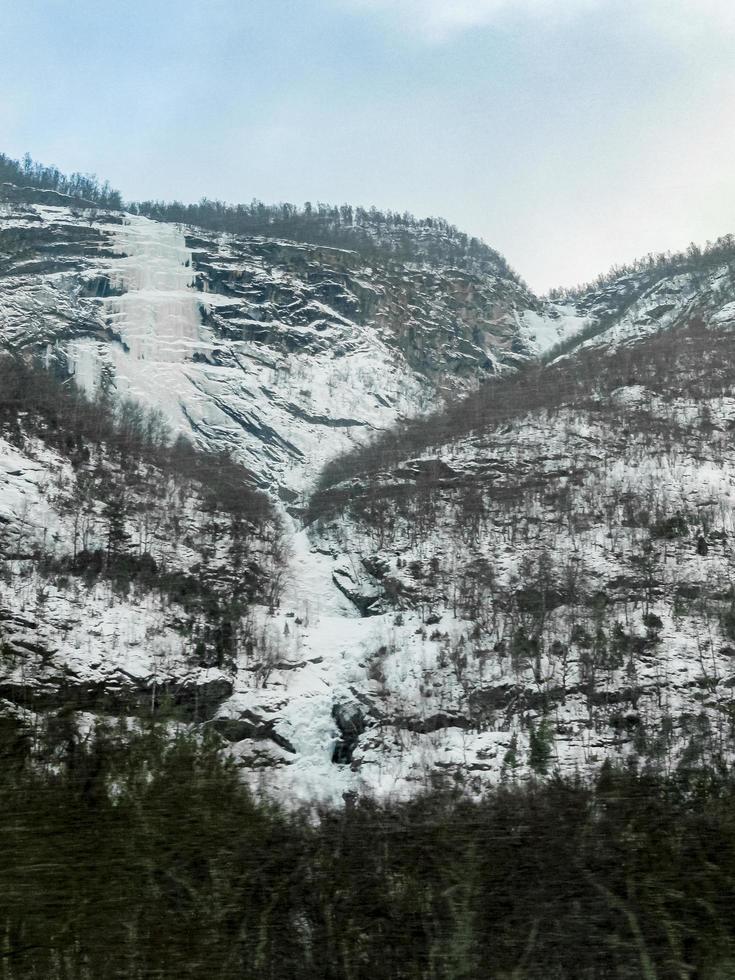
250, 726
351, 723
366, 599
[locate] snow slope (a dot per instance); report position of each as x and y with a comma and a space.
569, 569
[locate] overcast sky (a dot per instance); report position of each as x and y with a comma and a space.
569, 134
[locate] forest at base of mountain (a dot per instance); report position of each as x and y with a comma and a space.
143, 856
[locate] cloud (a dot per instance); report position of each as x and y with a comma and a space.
688, 19
439, 20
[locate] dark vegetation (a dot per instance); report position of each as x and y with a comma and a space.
377, 235
684, 362
374, 234
85, 188
141, 856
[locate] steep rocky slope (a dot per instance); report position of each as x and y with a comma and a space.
538, 576
281, 353
656, 294
129, 572
553, 587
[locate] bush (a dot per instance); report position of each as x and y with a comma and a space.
670, 527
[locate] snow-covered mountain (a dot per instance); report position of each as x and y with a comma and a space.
280, 353
659, 294
529, 580
567, 564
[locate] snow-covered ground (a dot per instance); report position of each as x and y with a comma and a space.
557, 322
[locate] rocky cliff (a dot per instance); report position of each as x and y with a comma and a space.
281, 353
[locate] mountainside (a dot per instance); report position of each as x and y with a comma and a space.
559, 567
655, 294
534, 574
281, 353
131, 572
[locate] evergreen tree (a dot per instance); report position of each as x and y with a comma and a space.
541, 743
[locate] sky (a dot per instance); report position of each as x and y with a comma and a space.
571, 135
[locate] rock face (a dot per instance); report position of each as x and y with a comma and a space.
281, 354
640, 304
351, 724
559, 575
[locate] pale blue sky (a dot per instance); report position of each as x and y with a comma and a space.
570, 134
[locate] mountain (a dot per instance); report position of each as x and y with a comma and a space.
654, 294
557, 560
282, 353
332, 503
